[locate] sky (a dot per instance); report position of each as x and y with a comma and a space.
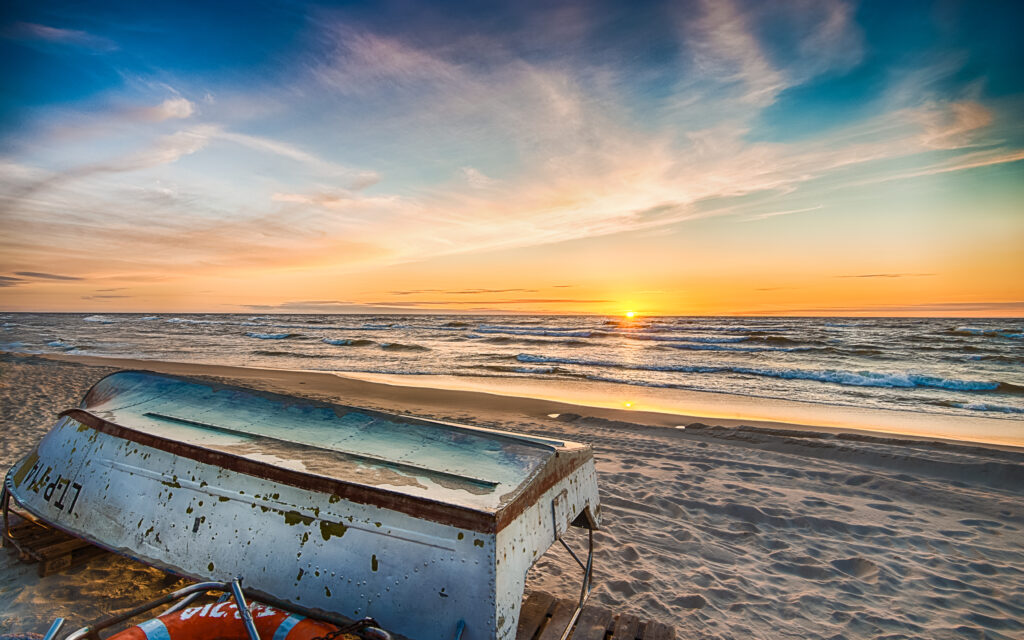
809, 157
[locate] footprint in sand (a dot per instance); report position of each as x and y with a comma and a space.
858, 568
957, 534
888, 507
690, 602
992, 524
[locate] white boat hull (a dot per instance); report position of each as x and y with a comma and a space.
310, 545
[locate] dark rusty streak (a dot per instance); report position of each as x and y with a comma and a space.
558, 468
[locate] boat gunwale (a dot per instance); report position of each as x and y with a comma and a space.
540, 442
417, 507
535, 485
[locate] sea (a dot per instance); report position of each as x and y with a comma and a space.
969, 367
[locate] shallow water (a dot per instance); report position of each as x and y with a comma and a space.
967, 367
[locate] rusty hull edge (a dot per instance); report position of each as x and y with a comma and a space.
559, 466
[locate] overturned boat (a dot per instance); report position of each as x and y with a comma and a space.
330, 511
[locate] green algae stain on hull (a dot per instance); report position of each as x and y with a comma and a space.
328, 529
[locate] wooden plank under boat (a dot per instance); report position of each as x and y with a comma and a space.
328, 510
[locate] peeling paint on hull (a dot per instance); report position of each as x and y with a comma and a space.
419, 546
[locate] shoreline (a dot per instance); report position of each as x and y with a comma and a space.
645, 406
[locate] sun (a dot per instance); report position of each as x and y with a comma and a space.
631, 314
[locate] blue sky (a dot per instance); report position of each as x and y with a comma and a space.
329, 152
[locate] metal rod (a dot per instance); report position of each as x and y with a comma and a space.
5, 501
572, 553
54, 629
585, 588
243, 609
108, 621
184, 602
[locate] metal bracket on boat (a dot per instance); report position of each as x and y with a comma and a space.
5, 504
588, 573
243, 608
189, 594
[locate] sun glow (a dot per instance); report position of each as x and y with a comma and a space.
631, 314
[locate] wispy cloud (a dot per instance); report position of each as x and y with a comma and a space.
772, 214
45, 276
727, 48
476, 178
453, 302
410, 292
888, 275
920, 308
176, 108
57, 35
9, 281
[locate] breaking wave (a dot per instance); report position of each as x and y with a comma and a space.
272, 336
1015, 334
346, 342
503, 339
194, 321
566, 333
395, 346
848, 378
719, 347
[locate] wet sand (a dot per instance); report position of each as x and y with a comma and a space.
725, 531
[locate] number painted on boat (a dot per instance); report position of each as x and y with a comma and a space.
56, 492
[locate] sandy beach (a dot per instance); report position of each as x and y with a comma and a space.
722, 530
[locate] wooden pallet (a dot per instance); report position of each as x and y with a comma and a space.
54, 550
544, 617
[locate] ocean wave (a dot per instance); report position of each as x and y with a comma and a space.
834, 376
395, 346
720, 347
564, 333
1015, 334
535, 369
65, 346
456, 324
347, 342
528, 358
503, 339
290, 354
504, 368
519, 327
272, 336
1017, 361
700, 339
978, 406
150, 318
99, 319
194, 321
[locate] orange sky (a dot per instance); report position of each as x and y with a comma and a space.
364, 168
